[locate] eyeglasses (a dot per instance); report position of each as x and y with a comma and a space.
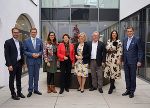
15, 32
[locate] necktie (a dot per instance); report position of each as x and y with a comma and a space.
34, 43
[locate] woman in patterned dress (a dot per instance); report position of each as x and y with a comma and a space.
113, 59
82, 58
50, 57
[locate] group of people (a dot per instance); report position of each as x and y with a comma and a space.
94, 54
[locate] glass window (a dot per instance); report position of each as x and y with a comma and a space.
47, 3
58, 27
148, 46
55, 13
24, 25
108, 3
87, 27
84, 14
84, 3
109, 14
55, 3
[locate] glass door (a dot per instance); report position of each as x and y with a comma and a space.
148, 45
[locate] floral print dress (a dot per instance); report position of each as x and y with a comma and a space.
80, 68
112, 69
50, 55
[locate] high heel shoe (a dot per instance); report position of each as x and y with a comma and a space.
82, 91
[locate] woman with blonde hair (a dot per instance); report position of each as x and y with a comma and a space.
82, 59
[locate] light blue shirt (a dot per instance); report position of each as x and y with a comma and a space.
129, 42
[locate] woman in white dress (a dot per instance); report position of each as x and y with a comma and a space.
113, 59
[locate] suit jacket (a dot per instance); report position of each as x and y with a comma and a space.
29, 50
101, 52
61, 52
11, 54
134, 53
85, 53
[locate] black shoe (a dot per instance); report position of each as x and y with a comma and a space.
67, 90
131, 95
21, 95
14, 97
126, 93
61, 91
37, 92
82, 91
111, 89
100, 90
29, 94
92, 89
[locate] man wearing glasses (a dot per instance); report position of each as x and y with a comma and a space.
13, 50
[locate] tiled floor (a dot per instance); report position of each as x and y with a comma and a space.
75, 99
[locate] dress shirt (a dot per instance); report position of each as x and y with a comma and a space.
94, 50
129, 42
34, 42
18, 49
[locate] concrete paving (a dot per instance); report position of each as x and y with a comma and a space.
75, 99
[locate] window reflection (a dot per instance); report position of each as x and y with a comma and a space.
109, 3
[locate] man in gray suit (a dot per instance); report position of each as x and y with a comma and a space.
132, 58
33, 49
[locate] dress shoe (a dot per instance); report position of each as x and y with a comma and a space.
100, 90
61, 91
14, 97
92, 89
131, 95
126, 93
37, 92
67, 90
82, 91
21, 95
111, 89
29, 94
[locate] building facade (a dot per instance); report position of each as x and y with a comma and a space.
23, 14
74, 16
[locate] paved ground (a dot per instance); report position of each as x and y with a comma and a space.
75, 99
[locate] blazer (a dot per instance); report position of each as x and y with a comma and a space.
134, 53
101, 52
29, 50
11, 53
61, 52
85, 53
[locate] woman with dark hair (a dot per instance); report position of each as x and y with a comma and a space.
50, 58
65, 53
113, 59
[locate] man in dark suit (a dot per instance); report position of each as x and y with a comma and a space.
33, 49
132, 58
13, 50
97, 59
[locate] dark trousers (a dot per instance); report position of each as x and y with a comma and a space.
33, 71
130, 76
65, 78
50, 78
16, 73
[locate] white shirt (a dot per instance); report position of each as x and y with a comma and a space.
94, 50
34, 42
18, 48
129, 42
